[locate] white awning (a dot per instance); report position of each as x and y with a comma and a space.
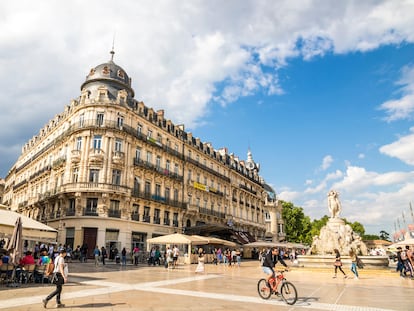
32, 229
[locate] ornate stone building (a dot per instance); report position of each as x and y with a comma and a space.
111, 171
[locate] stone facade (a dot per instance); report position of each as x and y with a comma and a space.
111, 171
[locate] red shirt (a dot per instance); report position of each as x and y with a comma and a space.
27, 260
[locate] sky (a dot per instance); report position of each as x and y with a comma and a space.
321, 94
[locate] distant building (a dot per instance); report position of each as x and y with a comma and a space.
2, 184
111, 171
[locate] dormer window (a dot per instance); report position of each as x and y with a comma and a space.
105, 70
121, 74
92, 72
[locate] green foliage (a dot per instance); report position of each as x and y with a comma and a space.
370, 237
384, 235
297, 225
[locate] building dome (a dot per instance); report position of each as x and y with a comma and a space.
271, 194
110, 75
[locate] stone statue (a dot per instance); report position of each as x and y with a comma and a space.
336, 234
334, 205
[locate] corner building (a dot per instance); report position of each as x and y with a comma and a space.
111, 171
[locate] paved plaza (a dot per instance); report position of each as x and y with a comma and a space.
113, 287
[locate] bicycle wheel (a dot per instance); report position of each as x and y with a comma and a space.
263, 289
289, 293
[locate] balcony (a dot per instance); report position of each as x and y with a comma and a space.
59, 163
135, 216
167, 222
146, 218
90, 212
96, 156
95, 187
71, 212
118, 157
76, 156
114, 213
157, 220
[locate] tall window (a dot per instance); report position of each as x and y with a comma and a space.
139, 129
157, 190
91, 206
97, 142
158, 162
78, 143
75, 174
167, 165
176, 169
189, 175
137, 154
149, 134
147, 187
93, 175
146, 216
120, 122
114, 205
149, 157
81, 119
175, 194
99, 118
175, 220
118, 144
136, 185
157, 216
167, 194
116, 177
71, 208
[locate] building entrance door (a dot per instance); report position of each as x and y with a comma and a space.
89, 237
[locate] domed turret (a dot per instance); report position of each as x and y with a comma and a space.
111, 76
271, 194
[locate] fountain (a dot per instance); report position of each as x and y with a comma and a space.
338, 235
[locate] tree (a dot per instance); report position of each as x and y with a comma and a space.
297, 225
384, 235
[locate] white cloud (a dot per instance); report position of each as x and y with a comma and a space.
326, 162
401, 149
402, 108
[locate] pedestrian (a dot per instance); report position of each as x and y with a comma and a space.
135, 251
176, 253
103, 254
354, 267
124, 258
97, 255
61, 277
338, 263
200, 265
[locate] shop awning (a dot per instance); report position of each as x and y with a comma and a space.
32, 229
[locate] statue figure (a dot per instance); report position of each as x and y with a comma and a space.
334, 205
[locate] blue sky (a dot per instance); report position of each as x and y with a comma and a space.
323, 96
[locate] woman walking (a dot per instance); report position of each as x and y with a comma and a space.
200, 266
61, 278
354, 267
338, 263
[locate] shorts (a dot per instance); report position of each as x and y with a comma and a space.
267, 270
175, 258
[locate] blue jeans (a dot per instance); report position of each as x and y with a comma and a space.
354, 269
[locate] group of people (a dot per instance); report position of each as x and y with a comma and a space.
405, 259
227, 256
355, 263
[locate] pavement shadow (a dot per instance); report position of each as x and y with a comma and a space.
96, 305
306, 300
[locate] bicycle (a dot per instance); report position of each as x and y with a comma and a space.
286, 289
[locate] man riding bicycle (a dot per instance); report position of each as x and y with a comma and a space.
271, 259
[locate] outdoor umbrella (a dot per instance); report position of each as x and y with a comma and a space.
15, 245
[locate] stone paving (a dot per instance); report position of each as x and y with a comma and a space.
113, 287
